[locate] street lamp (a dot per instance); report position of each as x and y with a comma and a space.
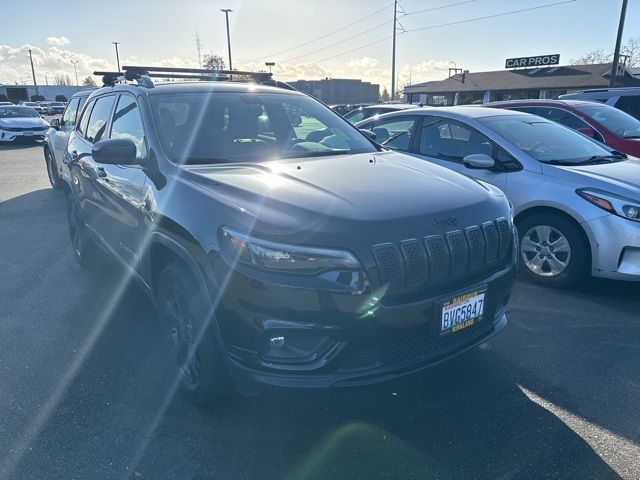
226, 14
117, 55
270, 64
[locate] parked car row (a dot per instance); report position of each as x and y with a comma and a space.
284, 247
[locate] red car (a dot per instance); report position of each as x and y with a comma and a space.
602, 122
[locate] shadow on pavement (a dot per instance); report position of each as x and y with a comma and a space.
118, 418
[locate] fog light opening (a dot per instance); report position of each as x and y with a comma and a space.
276, 342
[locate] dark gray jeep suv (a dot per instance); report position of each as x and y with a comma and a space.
279, 252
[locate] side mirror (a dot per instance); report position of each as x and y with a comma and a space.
55, 123
115, 151
588, 131
479, 161
369, 133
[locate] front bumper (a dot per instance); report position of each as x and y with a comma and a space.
615, 247
6, 136
344, 347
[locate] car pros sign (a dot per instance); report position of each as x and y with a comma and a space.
539, 61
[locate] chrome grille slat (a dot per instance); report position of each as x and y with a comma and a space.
437, 258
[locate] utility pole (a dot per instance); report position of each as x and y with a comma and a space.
616, 54
226, 14
393, 54
33, 72
75, 69
199, 48
117, 55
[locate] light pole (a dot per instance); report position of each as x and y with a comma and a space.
75, 69
270, 64
33, 72
393, 53
616, 54
226, 14
117, 55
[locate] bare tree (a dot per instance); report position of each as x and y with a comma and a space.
631, 50
62, 80
213, 61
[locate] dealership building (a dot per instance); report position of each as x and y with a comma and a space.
17, 93
339, 90
522, 78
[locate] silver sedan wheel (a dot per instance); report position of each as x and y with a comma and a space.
545, 251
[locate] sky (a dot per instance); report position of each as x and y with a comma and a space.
308, 39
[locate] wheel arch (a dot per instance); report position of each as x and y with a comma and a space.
546, 210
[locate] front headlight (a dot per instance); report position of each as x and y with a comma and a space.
267, 255
618, 205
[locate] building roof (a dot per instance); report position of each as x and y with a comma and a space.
546, 78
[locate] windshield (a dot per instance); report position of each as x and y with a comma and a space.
616, 121
17, 112
545, 141
223, 127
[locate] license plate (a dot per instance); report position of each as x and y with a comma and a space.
27, 134
462, 311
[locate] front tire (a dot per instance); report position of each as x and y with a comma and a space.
553, 251
188, 317
52, 172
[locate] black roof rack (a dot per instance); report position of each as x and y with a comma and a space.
143, 75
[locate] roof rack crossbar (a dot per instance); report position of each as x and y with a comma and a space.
202, 71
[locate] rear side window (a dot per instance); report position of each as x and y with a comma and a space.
99, 118
630, 105
395, 133
70, 113
84, 121
451, 140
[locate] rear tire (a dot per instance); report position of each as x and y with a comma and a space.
553, 251
188, 317
52, 172
86, 252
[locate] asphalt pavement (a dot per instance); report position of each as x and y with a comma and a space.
86, 391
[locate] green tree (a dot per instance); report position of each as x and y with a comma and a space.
89, 82
385, 97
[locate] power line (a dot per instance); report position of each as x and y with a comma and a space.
337, 43
437, 8
444, 25
371, 29
538, 7
295, 47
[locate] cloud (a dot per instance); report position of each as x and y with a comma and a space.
54, 61
58, 41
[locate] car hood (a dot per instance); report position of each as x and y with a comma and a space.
381, 195
23, 122
621, 177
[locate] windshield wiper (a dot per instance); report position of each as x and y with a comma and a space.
595, 159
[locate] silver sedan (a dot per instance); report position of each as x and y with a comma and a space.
576, 201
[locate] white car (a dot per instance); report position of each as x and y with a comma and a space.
36, 106
17, 121
576, 201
